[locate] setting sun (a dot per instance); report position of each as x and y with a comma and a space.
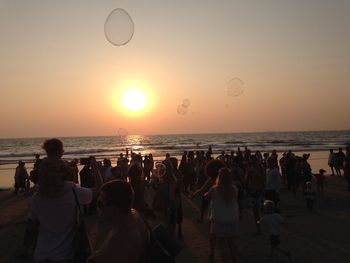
134, 100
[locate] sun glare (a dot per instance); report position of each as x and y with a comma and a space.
134, 100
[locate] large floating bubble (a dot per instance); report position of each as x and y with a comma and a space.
119, 27
122, 132
181, 109
186, 102
235, 87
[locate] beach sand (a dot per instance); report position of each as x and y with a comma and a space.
321, 236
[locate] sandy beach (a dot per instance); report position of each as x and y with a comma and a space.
321, 236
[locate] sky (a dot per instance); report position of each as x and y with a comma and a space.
59, 76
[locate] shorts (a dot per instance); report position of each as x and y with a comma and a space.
224, 229
275, 240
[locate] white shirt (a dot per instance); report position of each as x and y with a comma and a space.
220, 210
57, 217
273, 222
273, 180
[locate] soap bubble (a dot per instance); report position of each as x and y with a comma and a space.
235, 87
181, 109
161, 169
186, 103
122, 132
119, 27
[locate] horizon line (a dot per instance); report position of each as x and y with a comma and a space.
199, 133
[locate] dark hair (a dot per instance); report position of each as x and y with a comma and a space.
118, 193
53, 147
52, 175
212, 168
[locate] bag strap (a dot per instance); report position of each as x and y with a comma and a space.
81, 218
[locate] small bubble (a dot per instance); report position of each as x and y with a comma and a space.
186, 103
122, 132
235, 87
119, 27
181, 109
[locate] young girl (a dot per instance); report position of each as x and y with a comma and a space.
224, 215
274, 222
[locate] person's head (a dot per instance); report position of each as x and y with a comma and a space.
322, 171
167, 156
135, 172
224, 178
222, 152
121, 155
269, 207
107, 162
340, 149
115, 200
224, 184
52, 175
174, 163
21, 163
308, 185
53, 148
212, 168
306, 156
331, 150
270, 163
208, 155
37, 156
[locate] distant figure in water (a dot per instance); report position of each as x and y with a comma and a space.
21, 177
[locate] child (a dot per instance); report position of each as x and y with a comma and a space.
309, 196
274, 222
320, 178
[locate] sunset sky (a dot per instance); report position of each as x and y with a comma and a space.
59, 76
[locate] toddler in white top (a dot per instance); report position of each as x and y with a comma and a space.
274, 222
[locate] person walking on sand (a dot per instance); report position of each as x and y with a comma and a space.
332, 160
274, 222
21, 177
224, 215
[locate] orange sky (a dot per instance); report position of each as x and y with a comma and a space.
59, 76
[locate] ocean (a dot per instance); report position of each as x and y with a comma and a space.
13, 150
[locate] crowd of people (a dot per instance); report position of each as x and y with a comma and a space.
117, 193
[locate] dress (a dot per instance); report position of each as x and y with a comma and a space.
224, 216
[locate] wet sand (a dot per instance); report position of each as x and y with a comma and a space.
321, 236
